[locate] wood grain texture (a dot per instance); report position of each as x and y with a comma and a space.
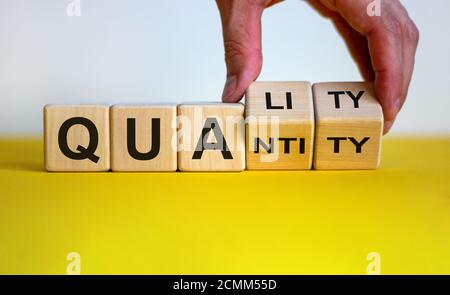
78, 137
281, 115
348, 115
193, 119
160, 155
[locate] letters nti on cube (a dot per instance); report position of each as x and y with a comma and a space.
279, 126
349, 126
143, 138
211, 137
76, 138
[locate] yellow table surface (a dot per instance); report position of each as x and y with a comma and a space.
306, 222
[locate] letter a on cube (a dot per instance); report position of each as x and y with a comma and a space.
211, 137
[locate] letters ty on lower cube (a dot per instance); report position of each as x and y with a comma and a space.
349, 126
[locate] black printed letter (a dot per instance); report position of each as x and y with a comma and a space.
269, 105
337, 141
221, 144
357, 144
336, 97
259, 142
355, 98
84, 153
131, 140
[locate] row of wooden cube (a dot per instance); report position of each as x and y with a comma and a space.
283, 126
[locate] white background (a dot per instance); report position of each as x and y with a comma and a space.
171, 51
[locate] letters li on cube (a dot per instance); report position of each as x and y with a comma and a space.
279, 126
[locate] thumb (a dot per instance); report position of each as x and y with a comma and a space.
241, 24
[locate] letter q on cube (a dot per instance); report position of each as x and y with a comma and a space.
77, 138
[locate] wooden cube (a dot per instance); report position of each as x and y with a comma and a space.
349, 126
76, 137
279, 126
211, 137
143, 138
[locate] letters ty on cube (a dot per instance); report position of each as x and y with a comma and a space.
143, 138
76, 138
279, 126
349, 126
211, 137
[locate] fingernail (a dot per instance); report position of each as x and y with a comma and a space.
387, 126
392, 110
229, 88
398, 105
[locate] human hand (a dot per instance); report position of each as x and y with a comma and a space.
383, 46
